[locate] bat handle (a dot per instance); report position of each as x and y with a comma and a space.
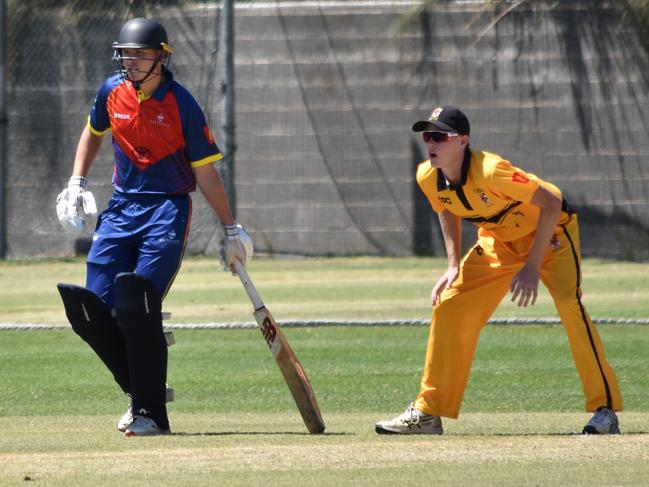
248, 285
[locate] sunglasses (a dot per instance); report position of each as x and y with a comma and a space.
437, 137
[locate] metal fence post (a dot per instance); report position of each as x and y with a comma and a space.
3, 134
227, 113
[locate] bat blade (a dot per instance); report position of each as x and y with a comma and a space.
292, 370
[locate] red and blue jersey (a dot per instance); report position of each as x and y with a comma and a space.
157, 140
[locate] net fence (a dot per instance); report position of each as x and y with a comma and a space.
326, 92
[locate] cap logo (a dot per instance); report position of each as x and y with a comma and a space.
436, 113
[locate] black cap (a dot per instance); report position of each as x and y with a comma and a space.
445, 119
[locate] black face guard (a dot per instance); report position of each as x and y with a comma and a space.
118, 62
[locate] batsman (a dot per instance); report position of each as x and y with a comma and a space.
163, 149
527, 233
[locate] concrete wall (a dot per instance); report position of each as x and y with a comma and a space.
326, 94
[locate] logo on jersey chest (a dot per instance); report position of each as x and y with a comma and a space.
483, 197
122, 116
160, 121
141, 154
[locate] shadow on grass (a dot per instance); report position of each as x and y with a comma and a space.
342, 433
260, 433
624, 433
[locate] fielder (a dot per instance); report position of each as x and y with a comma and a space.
526, 232
163, 148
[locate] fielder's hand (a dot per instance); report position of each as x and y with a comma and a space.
524, 286
444, 282
237, 245
75, 206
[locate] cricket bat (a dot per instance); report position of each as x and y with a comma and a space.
287, 361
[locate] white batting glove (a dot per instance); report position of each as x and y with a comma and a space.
237, 245
76, 207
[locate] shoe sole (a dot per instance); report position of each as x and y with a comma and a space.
382, 431
591, 430
129, 434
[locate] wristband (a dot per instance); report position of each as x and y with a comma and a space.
78, 182
231, 231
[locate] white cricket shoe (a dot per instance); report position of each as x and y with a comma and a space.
143, 426
603, 422
126, 420
411, 421
127, 417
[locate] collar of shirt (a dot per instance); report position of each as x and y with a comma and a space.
160, 91
442, 182
164, 87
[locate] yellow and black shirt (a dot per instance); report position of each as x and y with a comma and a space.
493, 194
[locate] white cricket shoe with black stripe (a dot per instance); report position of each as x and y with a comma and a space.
603, 422
143, 426
411, 422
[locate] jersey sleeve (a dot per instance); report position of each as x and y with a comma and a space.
200, 147
427, 181
511, 182
99, 121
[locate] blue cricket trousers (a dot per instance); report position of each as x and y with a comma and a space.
145, 234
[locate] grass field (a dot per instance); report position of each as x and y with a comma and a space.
234, 422
358, 288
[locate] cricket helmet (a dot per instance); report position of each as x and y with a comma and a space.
142, 33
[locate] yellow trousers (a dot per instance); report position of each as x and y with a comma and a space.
485, 276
